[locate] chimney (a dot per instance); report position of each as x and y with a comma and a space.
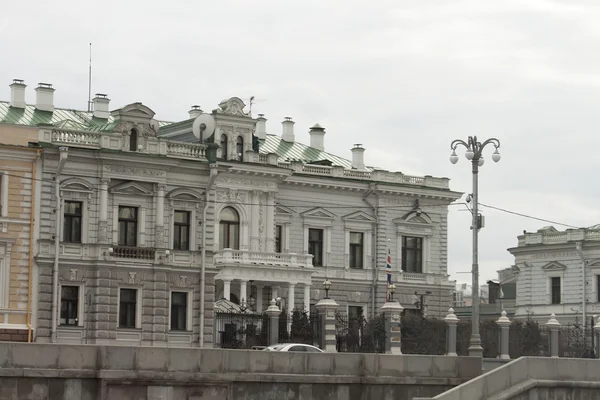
101, 102
261, 127
288, 130
358, 161
44, 97
317, 134
17, 93
195, 111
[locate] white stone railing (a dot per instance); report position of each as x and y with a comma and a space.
413, 277
571, 235
76, 138
246, 257
187, 150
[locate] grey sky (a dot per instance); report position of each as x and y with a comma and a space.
403, 78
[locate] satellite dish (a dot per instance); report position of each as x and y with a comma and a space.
203, 126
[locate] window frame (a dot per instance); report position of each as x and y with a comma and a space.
5, 252
554, 273
322, 242
552, 293
239, 148
137, 308
229, 225
224, 144
178, 225
353, 247
133, 139
78, 306
419, 251
136, 221
188, 309
278, 239
71, 218
415, 224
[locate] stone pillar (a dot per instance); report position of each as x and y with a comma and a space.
227, 289
307, 298
159, 234
254, 235
273, 312
504, 324
327, 309
243, 294
452, 321
103, 217
597, 332
270, 223
554, 327
291, 298
391, 312
259, 298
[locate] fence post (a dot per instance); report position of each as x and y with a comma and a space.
452, 321
597, 332
326, 308
554, 327
393, 334
504, 324
273, 312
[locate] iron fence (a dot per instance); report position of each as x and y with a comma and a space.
357, 335
235, 330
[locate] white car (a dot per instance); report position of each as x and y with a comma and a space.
307, 348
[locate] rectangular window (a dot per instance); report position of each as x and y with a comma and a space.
69, 305
181, 230
128, 225
72, 221
412, 254
555, 290
355, 312
127, 308
315, 246
278, 238
179, 307
356, 250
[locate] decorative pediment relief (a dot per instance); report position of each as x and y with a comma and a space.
283, 211
131, 188
76, 185
185, 194
415, 217
318, 212
554, 266
232, 106
358, 216
137, 110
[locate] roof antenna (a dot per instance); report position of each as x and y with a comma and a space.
89, 108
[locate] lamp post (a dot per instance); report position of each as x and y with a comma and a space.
473, 153
326, 286
391, 290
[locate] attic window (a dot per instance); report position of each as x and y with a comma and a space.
133, 139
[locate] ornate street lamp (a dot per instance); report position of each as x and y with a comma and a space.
326, 286
391, 290
473, 153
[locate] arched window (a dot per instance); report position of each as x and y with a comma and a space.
229, 229
224, 147
239, 148
133, 139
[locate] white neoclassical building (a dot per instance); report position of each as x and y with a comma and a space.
144, 224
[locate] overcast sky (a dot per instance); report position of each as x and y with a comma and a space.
404, 78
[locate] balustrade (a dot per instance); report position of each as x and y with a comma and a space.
136, 253
230, 256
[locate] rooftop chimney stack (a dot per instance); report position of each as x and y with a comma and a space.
17, 93
288, 130
261, 127
195, 112
358, 153
317, 135
101, 102
44, 97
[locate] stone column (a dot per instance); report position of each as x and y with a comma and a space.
254, 235
554, 327
504, 324
327, 309
273, 313
291, 298
259, 298
159, 235
243, 295
270, 223
227, 289
452, 321
307, 298
103, 217
391, 313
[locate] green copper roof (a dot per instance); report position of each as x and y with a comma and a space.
60, 117
299, 152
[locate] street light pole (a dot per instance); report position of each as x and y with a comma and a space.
474, 154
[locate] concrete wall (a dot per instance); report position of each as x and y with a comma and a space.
107, 372
532, 378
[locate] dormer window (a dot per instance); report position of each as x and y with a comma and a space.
239, 148
133, 140
224, 147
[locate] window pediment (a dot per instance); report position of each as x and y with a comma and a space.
358, 216
283, 211
185, 194
76, 185
554, 266
318, 213
131, 188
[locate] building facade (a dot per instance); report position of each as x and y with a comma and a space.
18, 162
558, 272
145, 223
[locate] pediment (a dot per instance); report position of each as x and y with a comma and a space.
359, 216
131, 188
138, 109
414, 217
553, 266
318, 212
547, 229
76, 185
185, 194
283, 210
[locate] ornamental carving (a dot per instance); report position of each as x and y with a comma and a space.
247, 182
102, 231
119, 169
159, 235
232, 106
182, 281
231, 196
131, 277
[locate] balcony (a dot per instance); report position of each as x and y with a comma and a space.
246, 257
135, 253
